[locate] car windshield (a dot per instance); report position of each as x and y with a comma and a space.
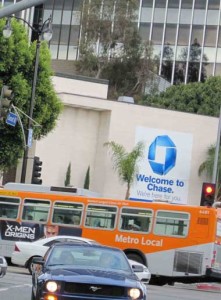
80, 257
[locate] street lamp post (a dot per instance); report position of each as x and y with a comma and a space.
44, 32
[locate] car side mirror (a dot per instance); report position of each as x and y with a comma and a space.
38, 260
137, 268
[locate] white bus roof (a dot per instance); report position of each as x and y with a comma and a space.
49, 189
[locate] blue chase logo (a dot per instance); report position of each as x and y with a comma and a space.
170, 155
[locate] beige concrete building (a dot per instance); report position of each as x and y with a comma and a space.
89, 120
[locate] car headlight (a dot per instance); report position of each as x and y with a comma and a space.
52, 286
134, 293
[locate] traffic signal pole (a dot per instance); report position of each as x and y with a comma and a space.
13, 8
26, 151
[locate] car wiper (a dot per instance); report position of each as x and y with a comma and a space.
55, 265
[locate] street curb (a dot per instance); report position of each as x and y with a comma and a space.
209, 287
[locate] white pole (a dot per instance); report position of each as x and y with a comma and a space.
216, 159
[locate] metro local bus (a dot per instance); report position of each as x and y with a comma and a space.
176, 242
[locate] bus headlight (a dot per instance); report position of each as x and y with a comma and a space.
134, 293
51, 286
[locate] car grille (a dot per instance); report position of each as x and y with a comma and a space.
94, 289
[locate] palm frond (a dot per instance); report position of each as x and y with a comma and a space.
126, 164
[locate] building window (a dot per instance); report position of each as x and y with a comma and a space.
197, 34
56, 34
74, 36
187, 4
170, 34
77, 4
146, 15
68, 4
213, 4
173, 4
147, 3
49, 4
58, 4
200, 4
208, 67
209, 54
167, 65
210, 36
180, 71
157, 33
145, 31
193, 71
160, 3
218, 66
64, 39
183, 36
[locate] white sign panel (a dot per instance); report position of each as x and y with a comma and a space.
165, 168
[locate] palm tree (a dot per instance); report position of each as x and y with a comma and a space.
207, 168
126, 163
68, 176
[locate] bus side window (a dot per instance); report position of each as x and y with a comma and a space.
135, 219
9, 207
101, 216
35, 210
68, 213
171, 223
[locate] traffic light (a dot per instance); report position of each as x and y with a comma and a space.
36, 172
5, 100
208, 194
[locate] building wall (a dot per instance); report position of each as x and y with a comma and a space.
88, 122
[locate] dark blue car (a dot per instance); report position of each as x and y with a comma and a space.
85, 272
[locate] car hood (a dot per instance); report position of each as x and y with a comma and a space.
92, 276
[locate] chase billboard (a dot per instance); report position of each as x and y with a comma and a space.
165, 168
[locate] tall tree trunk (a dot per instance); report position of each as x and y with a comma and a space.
127, 192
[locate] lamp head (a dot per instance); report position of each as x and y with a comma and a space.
7, 30
47, 30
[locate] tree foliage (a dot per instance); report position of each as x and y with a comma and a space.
111, 47
17, 71
126, 163
207, 168
198, 97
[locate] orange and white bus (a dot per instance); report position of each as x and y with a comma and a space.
176, 242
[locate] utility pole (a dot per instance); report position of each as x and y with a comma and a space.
13, 8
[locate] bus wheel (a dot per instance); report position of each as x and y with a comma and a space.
157, 281
135, 257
